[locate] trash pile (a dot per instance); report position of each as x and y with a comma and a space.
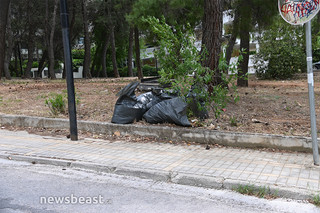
155, 107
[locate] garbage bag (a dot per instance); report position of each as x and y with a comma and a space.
171, 111
128, 108
150, 99
129, 90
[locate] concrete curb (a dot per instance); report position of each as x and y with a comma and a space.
203, 136
218, 183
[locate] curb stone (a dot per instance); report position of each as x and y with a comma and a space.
200, 181
203, 136
218, 183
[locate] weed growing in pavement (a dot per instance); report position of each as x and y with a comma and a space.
316, 200
244, 189
261, 191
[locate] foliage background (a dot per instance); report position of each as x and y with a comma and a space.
282, 51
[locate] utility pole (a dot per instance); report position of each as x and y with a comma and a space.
69, 73
314, 134
301, 12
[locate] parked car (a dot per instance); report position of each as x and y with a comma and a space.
316, 66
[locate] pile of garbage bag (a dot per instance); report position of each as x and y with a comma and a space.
155, 107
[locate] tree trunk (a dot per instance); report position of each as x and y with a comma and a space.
87, 43
64, 73
94, 69
114, 53
3, 24
104, 56
234, 34
243, 65
212, 36
73, 18
42, 62
30, 59
130, 52
137, 49
50, 49
16, 70
245, 22
31, 44
9, 47
20, 59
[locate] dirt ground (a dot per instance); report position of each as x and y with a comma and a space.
274, 107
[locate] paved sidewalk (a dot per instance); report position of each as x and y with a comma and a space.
292, 175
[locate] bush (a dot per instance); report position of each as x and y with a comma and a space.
76, 63
316, 55
123, 72
78, 54
149, 70
281, 52
35, 64
181, 67
56, 104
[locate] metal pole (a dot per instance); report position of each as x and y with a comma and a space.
311, 95
68, 69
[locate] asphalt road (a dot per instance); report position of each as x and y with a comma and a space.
25, 187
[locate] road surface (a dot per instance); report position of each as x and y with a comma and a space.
26, 187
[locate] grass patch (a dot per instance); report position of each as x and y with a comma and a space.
43, 96
315, 200
251, 190
12, 100
233, 121
271, 97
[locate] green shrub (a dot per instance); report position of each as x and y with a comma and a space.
123, 72
56, 103
35, 64
149, 70
110, 72
78, 54
316, 55
76, 63
181, 67
281, 52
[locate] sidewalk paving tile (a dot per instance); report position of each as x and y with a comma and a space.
284, 169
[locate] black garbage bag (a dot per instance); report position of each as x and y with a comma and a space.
171, 111
150, 99
128, 108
